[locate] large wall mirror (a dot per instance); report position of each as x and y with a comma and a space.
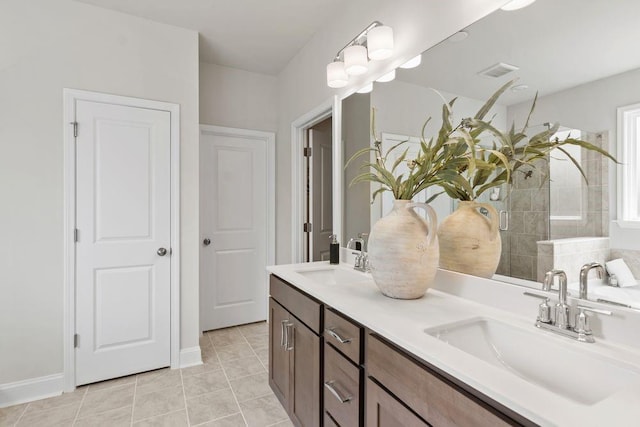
580, 57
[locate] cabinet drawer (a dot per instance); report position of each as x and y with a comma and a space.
343, 335
300, 305
435, 399
341, 388
383, 410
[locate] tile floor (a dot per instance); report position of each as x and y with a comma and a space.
230, 389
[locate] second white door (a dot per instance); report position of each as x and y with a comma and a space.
234, 187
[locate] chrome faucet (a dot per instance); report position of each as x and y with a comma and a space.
561, 324
584, 273
562, 309
362, 260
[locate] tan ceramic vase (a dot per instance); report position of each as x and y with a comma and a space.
469, 241
403, 250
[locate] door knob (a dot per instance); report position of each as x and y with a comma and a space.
162, 252
206, 241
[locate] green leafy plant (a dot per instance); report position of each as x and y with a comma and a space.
510, 151
458, 159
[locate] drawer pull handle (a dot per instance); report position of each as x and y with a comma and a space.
329, 386
334, 334
283, 333
289, 342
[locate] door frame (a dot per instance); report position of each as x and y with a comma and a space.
330, 108
70, 98
270, 140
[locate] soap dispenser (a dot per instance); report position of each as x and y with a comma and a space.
334, 250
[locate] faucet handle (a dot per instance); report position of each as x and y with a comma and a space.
582, 327
544, 310
584, 308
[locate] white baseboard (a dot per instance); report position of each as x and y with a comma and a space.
190, 357
31, 389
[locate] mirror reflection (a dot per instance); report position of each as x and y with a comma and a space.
581, 66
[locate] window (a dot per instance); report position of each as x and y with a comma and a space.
629, 167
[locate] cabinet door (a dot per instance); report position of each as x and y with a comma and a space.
383, 410
305, 376
279, 357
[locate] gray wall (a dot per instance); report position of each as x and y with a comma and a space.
49, 45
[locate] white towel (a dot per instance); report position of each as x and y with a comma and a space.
622, 272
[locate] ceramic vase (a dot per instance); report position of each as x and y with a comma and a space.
403, 250
470, 241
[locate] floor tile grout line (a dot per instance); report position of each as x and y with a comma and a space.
160, 415
135, 394
256, 354
231, 388
218, 419
84, 396
24, 411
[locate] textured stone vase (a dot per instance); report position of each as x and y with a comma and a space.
403, 250
469, 241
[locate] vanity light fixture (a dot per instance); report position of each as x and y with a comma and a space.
380, 41
413, 62
387, 77
336, 75
374, 42
355, 60
366, 88
516, 4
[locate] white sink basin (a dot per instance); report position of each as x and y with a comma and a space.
579, 375
333, 275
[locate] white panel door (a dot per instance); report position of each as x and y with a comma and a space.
321, 203
123, 221
233, 200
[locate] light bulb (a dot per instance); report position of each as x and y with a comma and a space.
380, 42
413, 62
387, 77
355, 60
516, 4
336, 75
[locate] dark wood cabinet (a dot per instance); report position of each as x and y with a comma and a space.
342, 386
437, 400
384, 410
326, 369
295, 354
278, 355
305, 376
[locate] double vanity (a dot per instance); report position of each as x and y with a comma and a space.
466, 354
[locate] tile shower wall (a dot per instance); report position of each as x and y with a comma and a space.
528, 222
594, 192
570, 255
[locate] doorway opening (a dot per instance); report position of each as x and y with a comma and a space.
318, 216
301, 128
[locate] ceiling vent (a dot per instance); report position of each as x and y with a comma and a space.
498, 70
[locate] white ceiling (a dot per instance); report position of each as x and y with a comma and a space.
556, 44
254, 35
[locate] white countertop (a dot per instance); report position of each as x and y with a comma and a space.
403, 322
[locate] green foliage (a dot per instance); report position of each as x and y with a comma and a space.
457, 162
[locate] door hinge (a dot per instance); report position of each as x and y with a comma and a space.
76, 339
75, 234
75, 129
307, 152
307, 227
